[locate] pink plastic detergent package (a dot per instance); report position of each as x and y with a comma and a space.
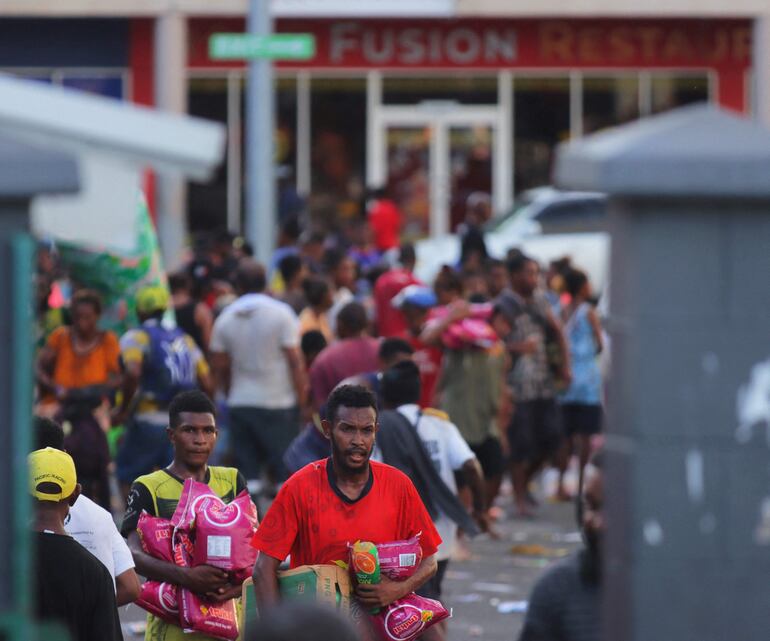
183, 549
400, 559
407, 618
160, 599
218, 620
223, 533
155, 535
194, 497
469, 332
472, 331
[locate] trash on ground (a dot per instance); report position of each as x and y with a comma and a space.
510, 607
473, 597
539, 550
502, 588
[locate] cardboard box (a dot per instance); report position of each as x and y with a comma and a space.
326, 584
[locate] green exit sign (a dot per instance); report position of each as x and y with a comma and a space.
246, 46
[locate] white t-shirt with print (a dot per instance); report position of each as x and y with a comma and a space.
92, 526
254, 331
449, 452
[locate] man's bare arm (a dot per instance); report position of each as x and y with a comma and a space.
474, 476
220, 370
202, 579
127, 587
266, 581
298, 376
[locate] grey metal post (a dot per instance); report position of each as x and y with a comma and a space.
687, 479
761, 68
171, 95
260, 173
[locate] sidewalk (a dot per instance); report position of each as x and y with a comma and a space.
488, 593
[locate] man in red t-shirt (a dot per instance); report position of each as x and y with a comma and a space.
389, 320
415, 302
385, 220
336, 501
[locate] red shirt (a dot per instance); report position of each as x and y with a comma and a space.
314, 522
428, 360
390, 321
339, 361
385, 221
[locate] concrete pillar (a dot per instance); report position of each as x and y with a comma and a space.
687, 477
761, 68
171, 95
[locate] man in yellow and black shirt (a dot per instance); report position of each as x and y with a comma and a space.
158, 363
192, 431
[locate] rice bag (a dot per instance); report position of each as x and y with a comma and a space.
155, 536
194, 496
407, 618
160, 599
223, 533
400, 559
218, 620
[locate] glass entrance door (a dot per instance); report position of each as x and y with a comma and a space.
432, 159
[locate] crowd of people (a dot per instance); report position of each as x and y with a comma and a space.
330, 377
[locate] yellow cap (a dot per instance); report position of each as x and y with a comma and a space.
153, 298
51, 466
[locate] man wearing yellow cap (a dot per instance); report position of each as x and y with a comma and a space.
72, 587
159, 362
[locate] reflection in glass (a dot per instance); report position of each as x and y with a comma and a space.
540, 121
338, 149
670, 91
609, 101
470, 166
408, 182
207, 203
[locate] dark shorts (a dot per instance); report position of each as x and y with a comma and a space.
580, 419
259, 436
490, 455
431, 589
535, 432
145, 448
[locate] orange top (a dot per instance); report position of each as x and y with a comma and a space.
81, 370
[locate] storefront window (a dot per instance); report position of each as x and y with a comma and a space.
609, 101
541, 119
466, 90
470, 166
337, 149
670, 91
408, 182
289, 202
207, 202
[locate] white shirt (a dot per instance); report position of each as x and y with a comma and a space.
92, 526
254, 331
449, 452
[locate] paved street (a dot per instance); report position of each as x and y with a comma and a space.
489, 592
486, 593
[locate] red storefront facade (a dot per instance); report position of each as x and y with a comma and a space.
432, 107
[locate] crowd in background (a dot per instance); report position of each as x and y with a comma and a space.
507, 348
